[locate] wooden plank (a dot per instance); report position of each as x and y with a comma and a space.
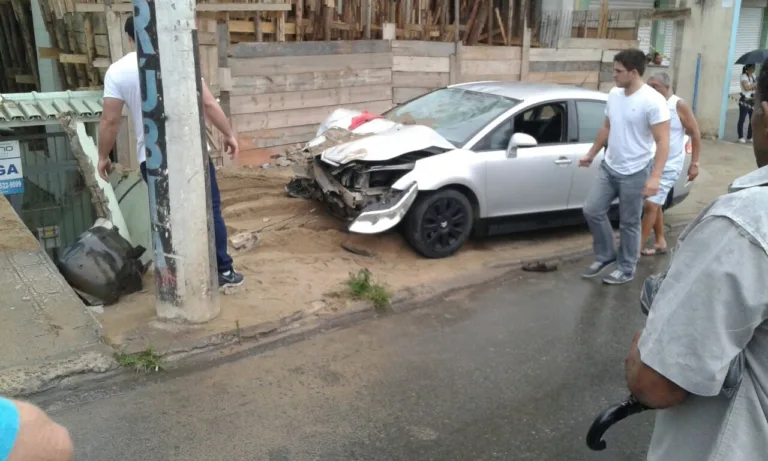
489, 78
491, 53
90, 49
298, 117
423, 49
25, 22
596, 43
200, 8
608, 55
302, 64
564, 66
114, 35
402, 95
491, 67
308, 99
420, 79
420, 64
554, 54
310, 81
26, 79
73, 58
268, 50
260, 139
569, 78
48, 53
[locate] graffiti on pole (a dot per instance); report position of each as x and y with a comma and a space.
153, 112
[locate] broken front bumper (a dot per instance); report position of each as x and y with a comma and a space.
368, 213
386, 214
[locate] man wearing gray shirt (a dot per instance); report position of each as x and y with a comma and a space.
702, 358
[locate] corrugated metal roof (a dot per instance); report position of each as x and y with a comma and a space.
28, 109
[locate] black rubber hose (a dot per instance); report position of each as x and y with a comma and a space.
608, 418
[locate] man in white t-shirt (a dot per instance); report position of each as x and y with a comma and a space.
122, 87
636, 117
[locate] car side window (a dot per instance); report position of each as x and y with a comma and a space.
591, 115
547, 123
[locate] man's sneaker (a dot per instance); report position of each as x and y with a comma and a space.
230, 279
595, 268
618, 277
742, 140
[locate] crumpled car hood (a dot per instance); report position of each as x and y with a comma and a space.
380, 139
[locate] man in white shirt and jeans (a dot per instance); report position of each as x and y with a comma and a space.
636, 117
122, 86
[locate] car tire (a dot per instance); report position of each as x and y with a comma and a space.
439, 223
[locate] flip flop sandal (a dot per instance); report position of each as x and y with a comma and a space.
655, 251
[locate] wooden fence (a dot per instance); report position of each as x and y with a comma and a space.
278, 93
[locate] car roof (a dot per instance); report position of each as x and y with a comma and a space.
529, 91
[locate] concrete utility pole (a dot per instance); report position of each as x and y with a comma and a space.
177, 172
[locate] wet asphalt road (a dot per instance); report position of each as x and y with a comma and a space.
515, 370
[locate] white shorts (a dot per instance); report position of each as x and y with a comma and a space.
669, 177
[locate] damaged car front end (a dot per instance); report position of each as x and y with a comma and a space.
358, 175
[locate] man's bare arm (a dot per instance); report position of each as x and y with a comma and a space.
691, 127
109, 125
661, 137
39, 438
649, 387
214, 113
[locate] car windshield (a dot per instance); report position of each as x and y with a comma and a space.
456, 114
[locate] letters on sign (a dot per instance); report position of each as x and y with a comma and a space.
11, 177
153, 111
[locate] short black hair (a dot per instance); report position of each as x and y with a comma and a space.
631, 59
129, 28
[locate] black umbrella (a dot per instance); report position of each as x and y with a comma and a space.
753, 57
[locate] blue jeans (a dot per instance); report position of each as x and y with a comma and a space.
9, 427
223, 260
629, 189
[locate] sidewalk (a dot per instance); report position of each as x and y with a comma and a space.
292, 285
47, 333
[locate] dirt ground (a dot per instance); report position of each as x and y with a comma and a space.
300, 263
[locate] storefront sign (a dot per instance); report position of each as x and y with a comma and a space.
11, 177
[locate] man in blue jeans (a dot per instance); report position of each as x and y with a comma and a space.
122, 87
636, 115
28, 434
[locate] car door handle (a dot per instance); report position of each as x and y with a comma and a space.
563, 161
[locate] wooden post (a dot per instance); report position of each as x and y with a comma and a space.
90, 50
258, 28
602, 29
490, 22
25, 23
327, 18
299, 20
368, 18
525, 56
510, 20
280, 27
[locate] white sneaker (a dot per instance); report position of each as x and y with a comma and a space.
749, 140
742, 140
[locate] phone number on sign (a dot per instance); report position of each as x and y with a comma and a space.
11, 184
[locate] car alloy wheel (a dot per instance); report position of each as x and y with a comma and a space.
440, 223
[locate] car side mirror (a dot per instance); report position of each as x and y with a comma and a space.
519, 140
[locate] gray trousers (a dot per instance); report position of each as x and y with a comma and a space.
629, 190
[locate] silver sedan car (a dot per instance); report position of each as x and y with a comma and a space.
481, 157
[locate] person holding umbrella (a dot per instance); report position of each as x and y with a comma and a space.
746, 102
